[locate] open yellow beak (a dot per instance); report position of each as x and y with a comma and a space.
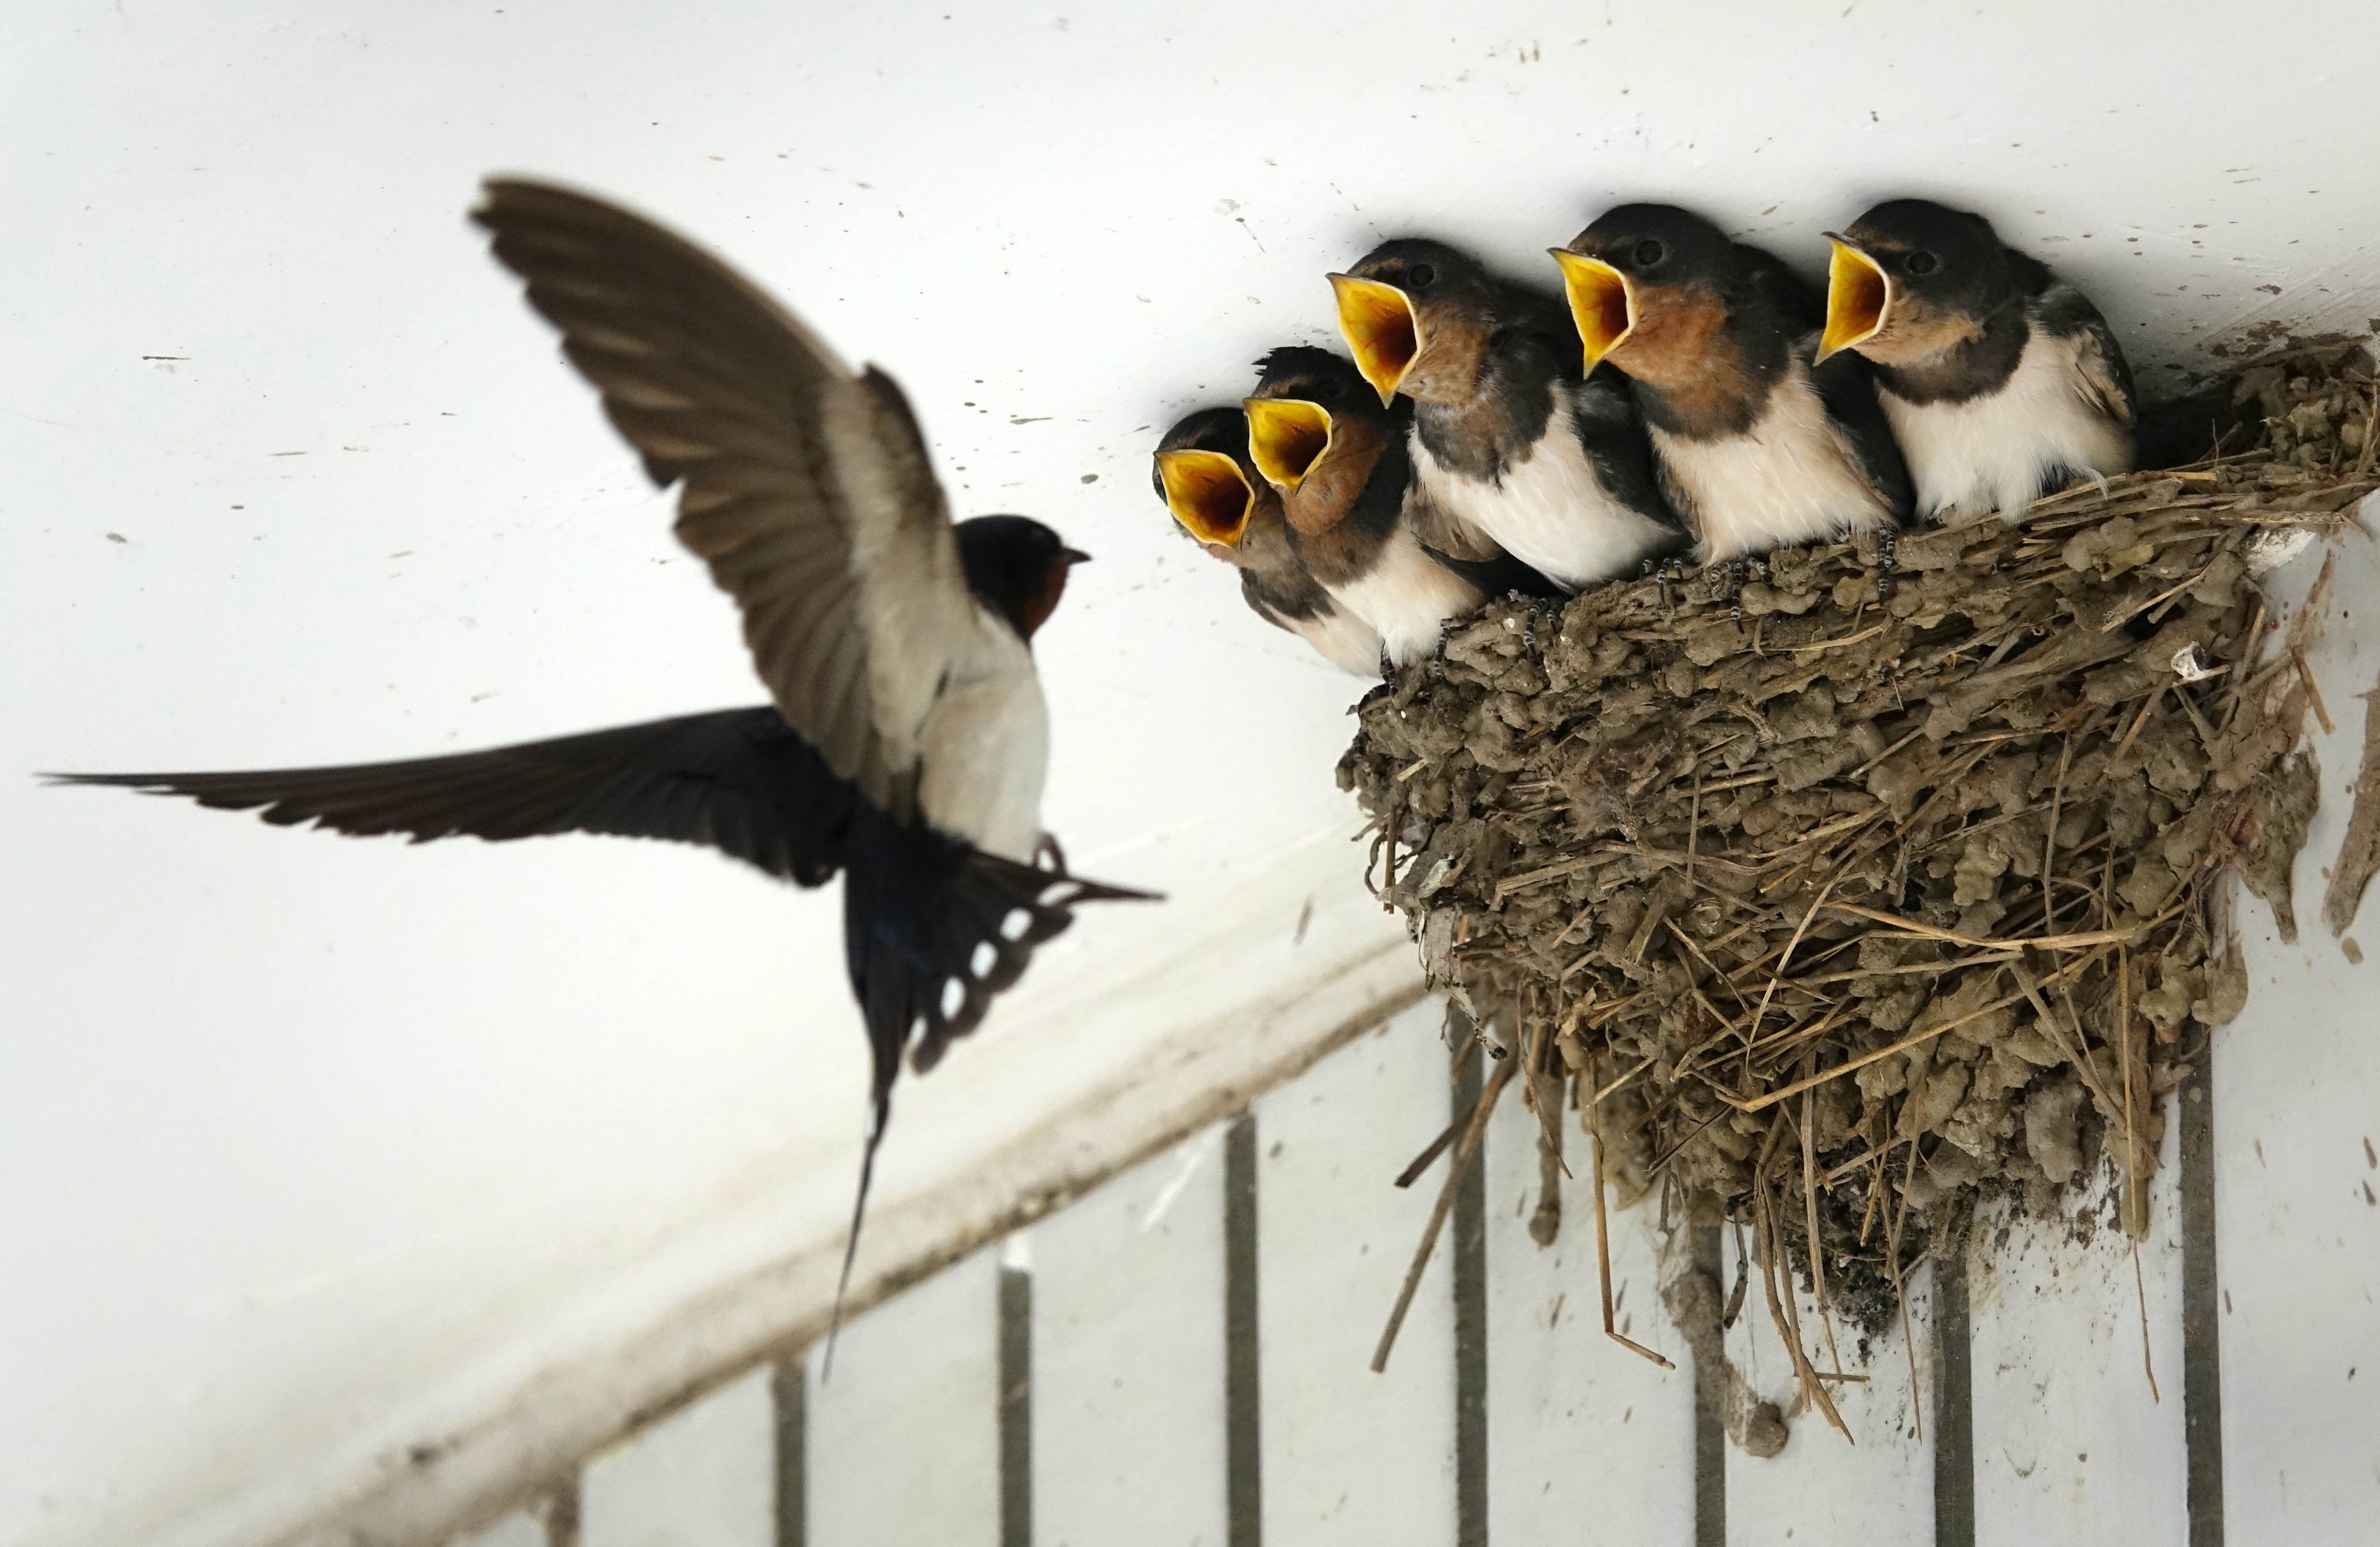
1381, 329
1207, 493
1286, 437
1602, 303
1859, 299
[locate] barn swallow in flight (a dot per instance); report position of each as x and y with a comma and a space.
1507, 438
1363, 527
1755, 449
2002, 381
1204, 476
907, 737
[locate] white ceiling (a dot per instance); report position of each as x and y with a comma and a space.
294, 1129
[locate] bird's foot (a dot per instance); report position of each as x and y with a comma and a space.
1545, 614
1888, 545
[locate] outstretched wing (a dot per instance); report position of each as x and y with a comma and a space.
804, 486
736, 780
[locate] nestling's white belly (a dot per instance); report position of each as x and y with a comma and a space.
1550, 512
1341, 638
1407, 596
1791, 479
1995, 453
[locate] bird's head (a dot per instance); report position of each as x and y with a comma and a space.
1204, 476
1314, 430
1417, 314
1648, 286
1016, 567
1912, 280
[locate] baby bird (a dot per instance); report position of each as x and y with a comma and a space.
2001, 380
1205, 477
1507, 438
1337, 456
1755, 449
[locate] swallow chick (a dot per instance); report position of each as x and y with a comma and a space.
905, 739
1206, 479
1356, 519
1507, 438
1755, 449
2003, 381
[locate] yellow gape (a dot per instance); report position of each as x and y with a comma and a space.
1286, 437
1381, 329
1207, 493
1859, 299
1602, 303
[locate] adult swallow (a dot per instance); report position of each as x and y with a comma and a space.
1204, 476
1755, 449
905, 739
2003, 381
1363, 527
1507, 438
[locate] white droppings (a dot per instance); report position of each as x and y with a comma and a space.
2275, 546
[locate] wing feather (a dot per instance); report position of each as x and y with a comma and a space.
738, 780
804, 486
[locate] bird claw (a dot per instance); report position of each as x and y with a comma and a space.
1739, 571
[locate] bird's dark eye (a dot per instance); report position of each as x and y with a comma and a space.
1920, 262
1419, 276
1330, 392
1650, 252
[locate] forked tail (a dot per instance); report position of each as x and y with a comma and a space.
935, 930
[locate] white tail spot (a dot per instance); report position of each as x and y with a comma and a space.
953, 995
1013, 926
986, 954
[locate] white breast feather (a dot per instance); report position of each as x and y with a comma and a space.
1550, 512
1341, 638
1791, 479
1992, 453
984, 749
1407, 596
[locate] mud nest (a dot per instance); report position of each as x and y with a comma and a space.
1837, 905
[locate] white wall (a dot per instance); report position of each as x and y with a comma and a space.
309, 1148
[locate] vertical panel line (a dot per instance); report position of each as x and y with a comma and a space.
1470, 1326
789, 1393
2202, 1343
1710, 1431
1954, 1407
1015, 1407
1242, 1415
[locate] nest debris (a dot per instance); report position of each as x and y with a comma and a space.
1839, 905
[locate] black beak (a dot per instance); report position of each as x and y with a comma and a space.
1073, 555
